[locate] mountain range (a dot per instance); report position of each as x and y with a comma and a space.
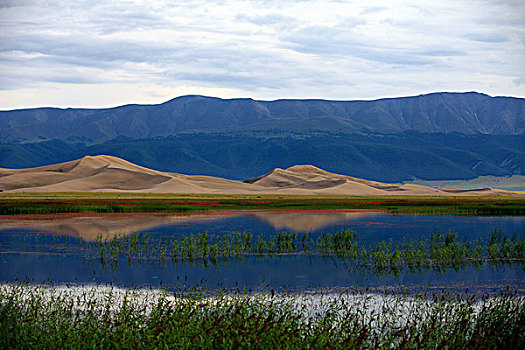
434, 137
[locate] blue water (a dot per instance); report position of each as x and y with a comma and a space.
29, 252
372, 228
292, 272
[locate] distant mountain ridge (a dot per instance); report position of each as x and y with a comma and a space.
466, 113
439, 136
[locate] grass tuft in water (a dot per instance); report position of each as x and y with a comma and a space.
384, 257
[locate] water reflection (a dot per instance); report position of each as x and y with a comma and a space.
301, 221
89, 227
370, 225
106, 226
39, 249
291, 272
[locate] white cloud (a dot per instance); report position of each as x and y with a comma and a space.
104, 53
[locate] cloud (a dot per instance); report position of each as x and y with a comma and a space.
259, 49
266, 19
519, 81
487, 37
373, 9
334, 41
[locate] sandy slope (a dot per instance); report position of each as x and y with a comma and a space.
508, 183
107, 173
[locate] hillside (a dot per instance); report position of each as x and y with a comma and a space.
387, 158
440, 136
107, 173
467, 113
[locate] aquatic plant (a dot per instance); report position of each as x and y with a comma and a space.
107, 317
439, 252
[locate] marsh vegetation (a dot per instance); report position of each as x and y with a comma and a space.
38, 203
313, 315
107, 317
439, 252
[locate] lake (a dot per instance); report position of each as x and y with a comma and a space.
46, 250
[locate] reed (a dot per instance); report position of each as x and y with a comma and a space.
439, 252
104, 317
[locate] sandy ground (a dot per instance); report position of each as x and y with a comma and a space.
509, 183
112, 174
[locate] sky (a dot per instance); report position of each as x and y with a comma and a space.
109, 53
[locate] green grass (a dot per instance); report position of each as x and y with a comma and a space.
37, 203
439, 252
108, 318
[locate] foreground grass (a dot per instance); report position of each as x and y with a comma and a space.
50, 203
104, 317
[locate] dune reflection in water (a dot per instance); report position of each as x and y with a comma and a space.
89, 227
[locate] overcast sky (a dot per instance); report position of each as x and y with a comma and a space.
108, 53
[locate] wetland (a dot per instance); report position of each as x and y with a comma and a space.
368, 272
280, 249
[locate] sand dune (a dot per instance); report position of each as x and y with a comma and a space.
108, 173
508, 183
